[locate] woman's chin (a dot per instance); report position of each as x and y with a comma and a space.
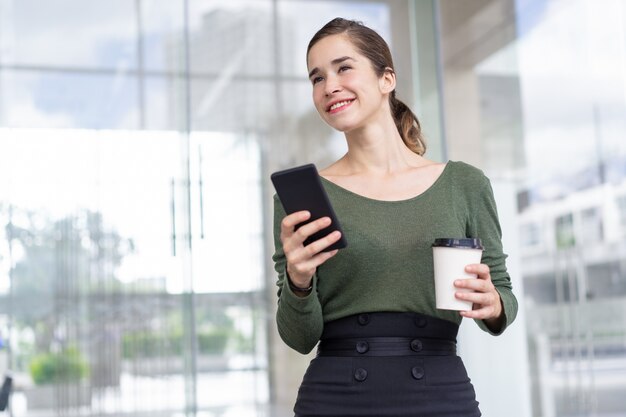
342, 127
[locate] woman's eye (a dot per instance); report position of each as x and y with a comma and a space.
316, 80
344, 68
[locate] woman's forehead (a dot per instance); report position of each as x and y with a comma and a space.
330, 48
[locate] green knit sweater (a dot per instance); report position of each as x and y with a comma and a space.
388, 264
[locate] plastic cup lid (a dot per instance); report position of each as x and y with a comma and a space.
464, 243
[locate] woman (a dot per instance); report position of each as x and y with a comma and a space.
385, 349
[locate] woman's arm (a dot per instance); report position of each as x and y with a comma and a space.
496, 305
299, 315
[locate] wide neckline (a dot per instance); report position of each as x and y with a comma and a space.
405, 200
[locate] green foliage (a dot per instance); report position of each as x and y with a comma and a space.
216, 335
151, 345
76, 254
65, 366
243, 344
214, 342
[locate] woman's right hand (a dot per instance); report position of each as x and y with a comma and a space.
302, 261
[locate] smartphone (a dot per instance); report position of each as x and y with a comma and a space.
300, 188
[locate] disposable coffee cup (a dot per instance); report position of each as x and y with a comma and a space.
450, 257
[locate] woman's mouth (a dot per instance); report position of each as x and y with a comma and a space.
339, 106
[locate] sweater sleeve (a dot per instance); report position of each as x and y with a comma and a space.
485, 225
299, 319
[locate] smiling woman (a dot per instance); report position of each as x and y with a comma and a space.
385, 349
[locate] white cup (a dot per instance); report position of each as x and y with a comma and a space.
450, 257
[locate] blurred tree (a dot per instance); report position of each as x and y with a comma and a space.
60, 263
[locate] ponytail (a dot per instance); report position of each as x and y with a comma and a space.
408, 125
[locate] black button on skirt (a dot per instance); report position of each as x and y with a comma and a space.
387, 365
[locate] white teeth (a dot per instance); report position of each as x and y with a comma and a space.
340, 104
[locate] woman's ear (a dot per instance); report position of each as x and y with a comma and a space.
388, 81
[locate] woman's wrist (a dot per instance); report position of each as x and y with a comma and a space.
292, 283
495, 324
298, 289
295, 288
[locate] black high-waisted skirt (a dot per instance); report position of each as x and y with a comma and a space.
387, 365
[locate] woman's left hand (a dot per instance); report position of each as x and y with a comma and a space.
486, 299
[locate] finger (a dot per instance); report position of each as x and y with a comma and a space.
292, 238
322, 257
481, 313
301, 255
309, 266
481, 270
482, 299
321, 244
289, 222
313, 227
474, 284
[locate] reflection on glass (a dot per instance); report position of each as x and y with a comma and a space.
621, 207
565, 236
91, 297
65, 100
230, 41
591, 225
547, 87
69, 34
131, 254
225, 187
231, 105
296, 31
162, 36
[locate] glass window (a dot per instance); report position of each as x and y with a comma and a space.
592, 229
564, 228
233, 39
63, 99
540, 289
531, 235
534, 96
621, 207
136, 144
163, 37
229, 105
295, 37
225, 185
94, 269
69, 34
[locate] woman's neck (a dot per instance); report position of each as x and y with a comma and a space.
378, 150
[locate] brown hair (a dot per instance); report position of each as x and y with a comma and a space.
371, 45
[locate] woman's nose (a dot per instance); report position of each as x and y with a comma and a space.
332, 86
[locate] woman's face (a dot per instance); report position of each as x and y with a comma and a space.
347, 93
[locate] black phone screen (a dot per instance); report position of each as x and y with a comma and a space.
300, 188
